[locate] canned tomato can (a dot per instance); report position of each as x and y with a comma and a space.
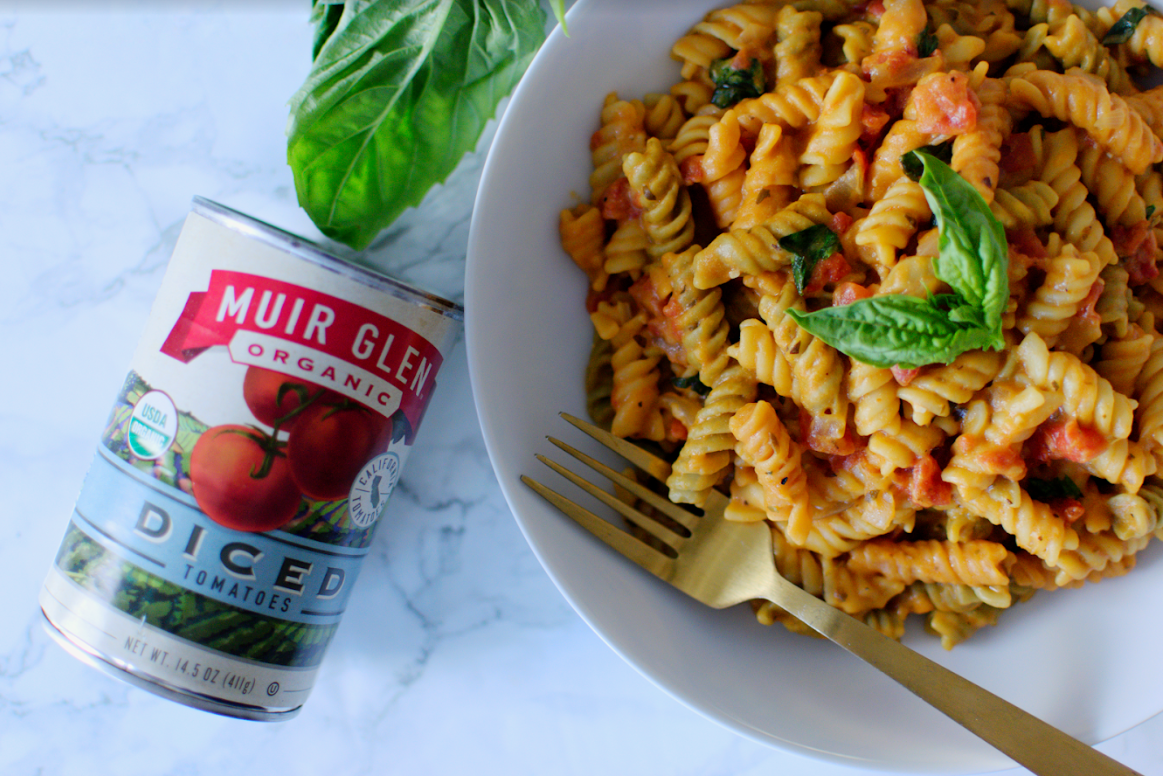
268, 410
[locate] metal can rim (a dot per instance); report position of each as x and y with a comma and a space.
311, 251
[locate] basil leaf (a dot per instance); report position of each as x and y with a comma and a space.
1048, 490
1122, 30
691, 382
1150, 210
325, 15
808, 248
399, 92
974, 254
912, 165
926, 43
733, 85
894, 330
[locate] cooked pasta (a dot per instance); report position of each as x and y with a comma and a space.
776, 180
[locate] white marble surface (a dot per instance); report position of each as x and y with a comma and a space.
457, 654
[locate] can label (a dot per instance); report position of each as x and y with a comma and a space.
246, 463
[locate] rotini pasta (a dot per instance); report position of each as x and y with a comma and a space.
776, 180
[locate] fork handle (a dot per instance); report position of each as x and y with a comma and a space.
1040, 747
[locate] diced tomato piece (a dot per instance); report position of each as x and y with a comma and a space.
677, 429
896, 98
1005, 460
645, 293
875, 9
887, 65
1137, 247
905, 376
1064, 439
666, 326
849, 292
945, 104
1086, 310
1026, 242
872, 120
1017, 160
692, 169
1000, 459
924, 485
1069, 509
830, 270
840, 223
616, 203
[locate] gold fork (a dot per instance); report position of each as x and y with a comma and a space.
722, 563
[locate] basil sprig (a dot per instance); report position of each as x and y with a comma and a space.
399, 91
910, 332
808, 248
1122, 30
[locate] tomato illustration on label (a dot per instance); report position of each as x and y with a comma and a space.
253, 480
272, 396
242, 479
331, 443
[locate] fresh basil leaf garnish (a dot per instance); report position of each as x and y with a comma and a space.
896, 330
926, 43
733, 84
808, 248
1150, 210
691, 382
325, 16
910, 332
973, 252
1122, 30
398, 92
914, 168
1048, 490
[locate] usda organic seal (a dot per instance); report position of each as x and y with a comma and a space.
153, 426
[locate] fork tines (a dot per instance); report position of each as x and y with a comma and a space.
625, 543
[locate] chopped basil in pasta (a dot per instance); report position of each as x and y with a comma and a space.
809, 247
733, 83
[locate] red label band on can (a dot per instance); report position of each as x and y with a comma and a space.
248, 458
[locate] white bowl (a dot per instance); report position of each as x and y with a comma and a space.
1080, 659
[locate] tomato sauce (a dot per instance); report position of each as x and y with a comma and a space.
1064, 439
249, 455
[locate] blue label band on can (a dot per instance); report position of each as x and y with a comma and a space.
247, 461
